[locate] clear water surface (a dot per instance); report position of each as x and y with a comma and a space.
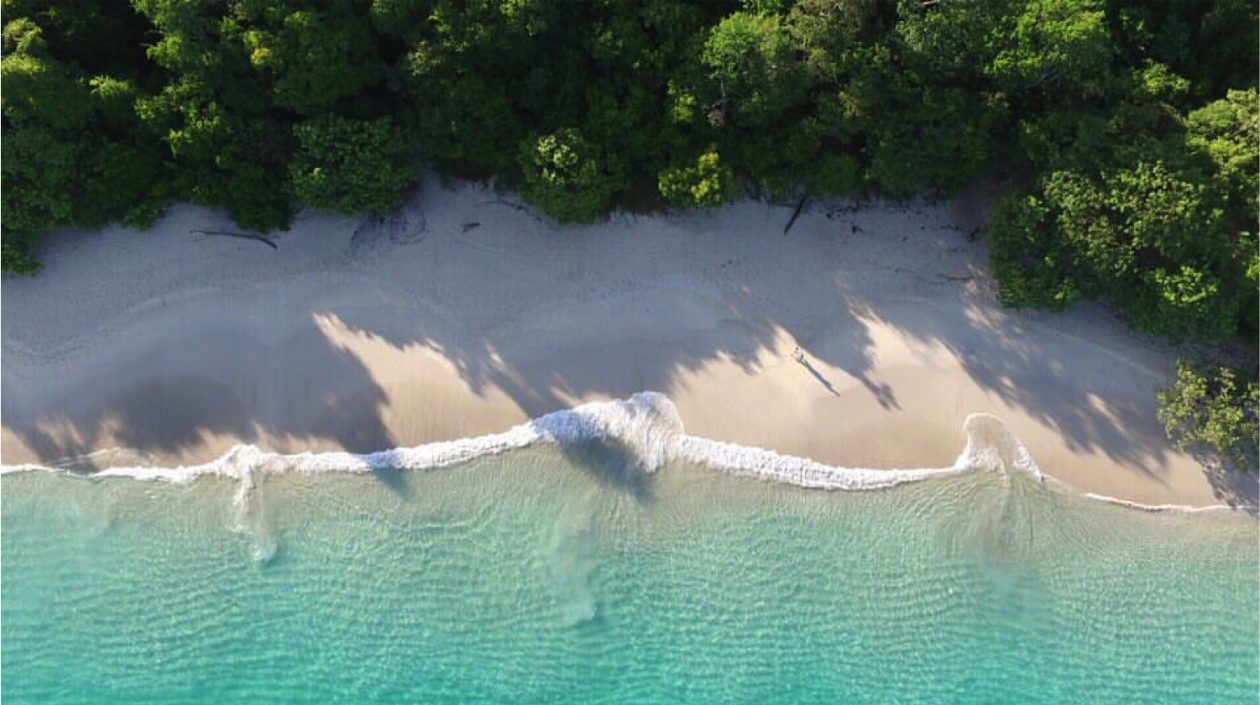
541, 576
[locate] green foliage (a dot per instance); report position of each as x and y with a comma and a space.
1128, 128
833, 175
952, 40
1217, 407
71, 158
234, 161
187, 36
940, 141
17, 252
313, 57
1228, 132
1054, 45
831, 36
816, 157
752, 59
707, 184
1029, 259
121, 180
23, 36
50, 182
43, 91
115, 100
39, 181
352, 166
1149, 238
567, 177
1185, 303
255, 191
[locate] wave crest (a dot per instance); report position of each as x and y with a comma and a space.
992, 446
647, 425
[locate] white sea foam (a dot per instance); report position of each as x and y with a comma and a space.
1159, 508
647, 427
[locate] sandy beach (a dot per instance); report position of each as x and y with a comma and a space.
864, 336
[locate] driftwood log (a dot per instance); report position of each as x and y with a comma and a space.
243, 236
795, 214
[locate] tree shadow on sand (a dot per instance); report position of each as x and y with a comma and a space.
728, 307
171, 410
1231, 485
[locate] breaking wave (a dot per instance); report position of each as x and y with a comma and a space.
647, 425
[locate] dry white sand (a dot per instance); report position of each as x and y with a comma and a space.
862, 337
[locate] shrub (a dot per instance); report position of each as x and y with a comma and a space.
565, 176
1216, 407
709, 183
352, 166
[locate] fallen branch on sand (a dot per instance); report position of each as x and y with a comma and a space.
795, 214
243, 236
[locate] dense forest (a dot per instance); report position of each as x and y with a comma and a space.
1125, 131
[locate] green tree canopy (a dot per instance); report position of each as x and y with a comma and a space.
567, 177
1151, 239
1053, 45
752, 59
1216, 407
1228, 132
351, 166
314, 57
1125, 131
709, 183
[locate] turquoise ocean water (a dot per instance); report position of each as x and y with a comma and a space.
542, 576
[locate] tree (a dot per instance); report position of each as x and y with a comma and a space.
752, 59
820, 156
42, 90
940, 141
566, 177
228, 147
38, 194
1061, 46
1151, 239
952, 41
463, 74
73, 155
1228, 132
1218, 407
830, 35
1031, 262
314, 57
352, 166
227, 159
707, 184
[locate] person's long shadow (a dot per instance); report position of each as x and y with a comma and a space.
804, 362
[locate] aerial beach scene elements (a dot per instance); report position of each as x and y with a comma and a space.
660, 352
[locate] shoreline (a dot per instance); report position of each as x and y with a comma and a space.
647, 427
457, 452
860, 338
